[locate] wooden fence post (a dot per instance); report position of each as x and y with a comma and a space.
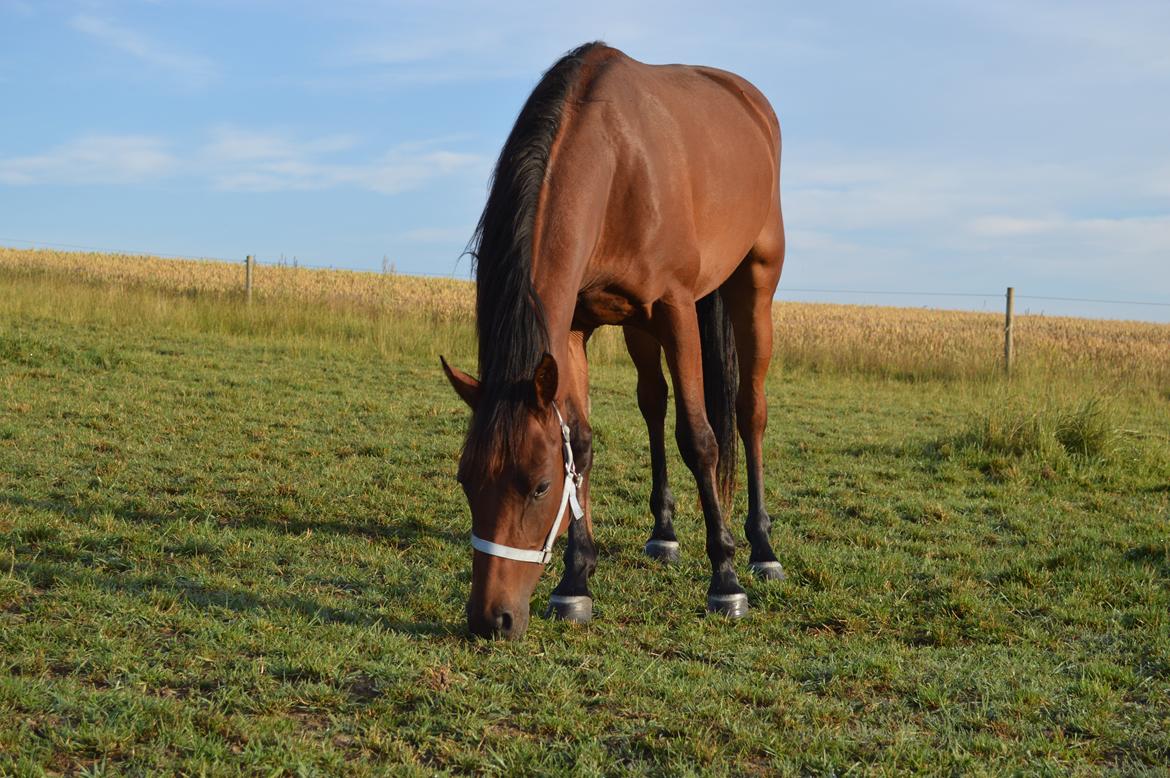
1007, 332
248, 263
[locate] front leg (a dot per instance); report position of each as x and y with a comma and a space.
572, 600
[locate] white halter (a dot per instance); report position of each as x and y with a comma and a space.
568, 497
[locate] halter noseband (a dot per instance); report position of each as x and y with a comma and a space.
568, 497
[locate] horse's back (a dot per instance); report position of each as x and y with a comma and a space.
686, 105
696, 167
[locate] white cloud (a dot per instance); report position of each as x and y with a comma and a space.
918, 221
95, 159
391, 174
1014, 226
836, 191
1091, 239
233, 144
437, 234
250, 161
242, 160
820, 258
194, 70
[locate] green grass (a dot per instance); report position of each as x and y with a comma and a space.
231, 541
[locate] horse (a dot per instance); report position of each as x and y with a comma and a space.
641, 196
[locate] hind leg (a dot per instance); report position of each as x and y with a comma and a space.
751, 288
652, 391
677, 326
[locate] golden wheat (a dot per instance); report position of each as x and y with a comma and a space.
910, 342
447, 298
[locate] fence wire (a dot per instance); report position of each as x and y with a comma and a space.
782, 290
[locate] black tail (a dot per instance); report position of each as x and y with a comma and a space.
720, 385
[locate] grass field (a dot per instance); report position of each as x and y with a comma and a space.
231, 541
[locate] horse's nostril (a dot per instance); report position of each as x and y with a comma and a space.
504, 622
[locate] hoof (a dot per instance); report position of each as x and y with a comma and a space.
768, 571
733, 606
662, 550
576, 609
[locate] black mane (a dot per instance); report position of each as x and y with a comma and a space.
513, 333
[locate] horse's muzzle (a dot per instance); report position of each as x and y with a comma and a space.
497, 621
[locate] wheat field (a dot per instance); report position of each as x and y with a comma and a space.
899, 342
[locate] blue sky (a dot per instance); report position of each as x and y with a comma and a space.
936, 146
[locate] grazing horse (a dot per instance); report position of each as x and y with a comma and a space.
634, 195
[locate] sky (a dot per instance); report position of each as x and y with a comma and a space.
938, 146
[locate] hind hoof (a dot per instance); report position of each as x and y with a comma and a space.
662, 550
733, 606
576, 609
768, 571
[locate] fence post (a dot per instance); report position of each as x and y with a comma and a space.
248, 277
1007, 332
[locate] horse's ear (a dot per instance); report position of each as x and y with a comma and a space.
544, 382
464, 385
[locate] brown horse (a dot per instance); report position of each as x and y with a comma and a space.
634, 195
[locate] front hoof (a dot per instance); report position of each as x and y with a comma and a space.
733, 606
662, 550
768, 571
576, 609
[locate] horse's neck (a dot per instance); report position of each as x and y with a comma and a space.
561, 266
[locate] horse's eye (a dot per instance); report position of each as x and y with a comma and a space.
541, 490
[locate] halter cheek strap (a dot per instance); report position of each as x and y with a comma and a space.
569, 498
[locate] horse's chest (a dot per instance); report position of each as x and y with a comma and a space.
596, 307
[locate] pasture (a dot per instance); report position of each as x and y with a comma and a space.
231, 541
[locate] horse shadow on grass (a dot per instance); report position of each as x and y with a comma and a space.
54, 564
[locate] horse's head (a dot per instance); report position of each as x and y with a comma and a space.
519, 488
